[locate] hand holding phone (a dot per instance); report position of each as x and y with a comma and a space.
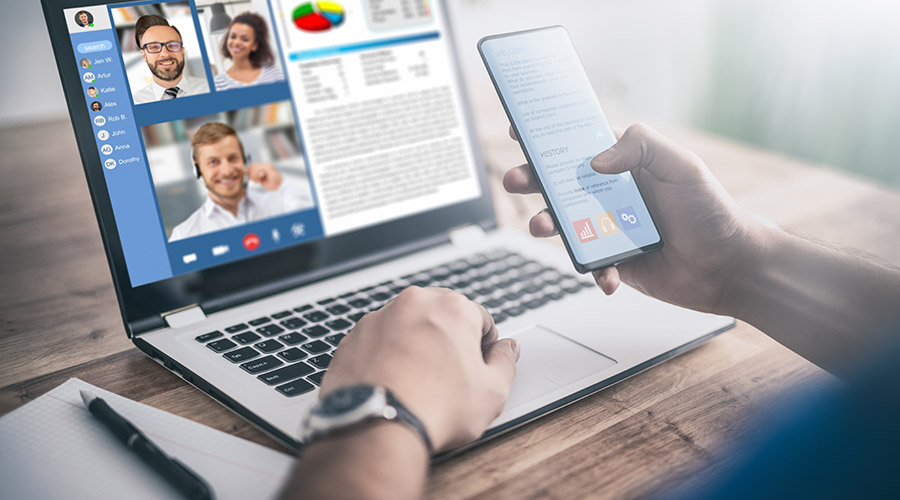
554, 112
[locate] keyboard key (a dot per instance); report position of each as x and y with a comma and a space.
263, 364
345, 295
289, 372
316, 331
221, 345
316, 378
292, 338
360, 303
316, 347
315, 316
534, 303
259, 321
237, 328
295, 388
355, 317
242, 354
293, 323
381, 296
514, 311
292, 354
269, 345
335, 339
339, 324
208, 336
493, 303
246, 337
499, 317
555, 295
270, 330
282, 314
326, 301
338, 309
321, 361
306, 307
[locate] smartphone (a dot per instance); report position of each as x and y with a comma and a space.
554, 112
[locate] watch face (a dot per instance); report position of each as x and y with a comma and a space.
344, 400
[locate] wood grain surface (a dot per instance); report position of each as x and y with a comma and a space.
671, 425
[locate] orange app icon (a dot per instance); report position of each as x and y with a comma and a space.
607, 224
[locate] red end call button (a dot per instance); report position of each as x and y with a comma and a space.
251, 242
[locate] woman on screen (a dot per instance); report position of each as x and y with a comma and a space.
246, 43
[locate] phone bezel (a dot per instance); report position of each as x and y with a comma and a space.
580, 267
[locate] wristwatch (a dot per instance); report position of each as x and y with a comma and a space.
350, 406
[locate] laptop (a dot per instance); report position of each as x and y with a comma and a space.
265, 173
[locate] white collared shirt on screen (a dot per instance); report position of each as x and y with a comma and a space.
256, 205
187, 86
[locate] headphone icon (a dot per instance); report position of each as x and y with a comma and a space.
607, 225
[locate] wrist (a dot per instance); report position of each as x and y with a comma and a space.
745, 282
375, 459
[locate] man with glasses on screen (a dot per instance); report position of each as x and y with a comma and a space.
162, 49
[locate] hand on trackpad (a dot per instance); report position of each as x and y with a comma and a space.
549, 362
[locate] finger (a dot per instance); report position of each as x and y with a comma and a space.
489, 332
643, 147
501, 358
519, 180
253, 172
542, 226
608, 279
618, 131
512, 134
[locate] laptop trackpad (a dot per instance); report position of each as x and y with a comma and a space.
548, 362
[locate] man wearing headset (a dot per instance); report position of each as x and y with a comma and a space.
221, 162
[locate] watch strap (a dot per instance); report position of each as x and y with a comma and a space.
409, 418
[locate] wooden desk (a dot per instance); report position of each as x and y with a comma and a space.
670, 424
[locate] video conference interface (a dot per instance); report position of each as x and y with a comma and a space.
227, 130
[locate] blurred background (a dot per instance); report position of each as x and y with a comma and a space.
817, 79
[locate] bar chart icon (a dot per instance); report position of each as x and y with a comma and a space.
585, 230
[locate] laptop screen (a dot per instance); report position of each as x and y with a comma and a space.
228, 130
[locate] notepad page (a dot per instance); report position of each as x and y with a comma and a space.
54, 448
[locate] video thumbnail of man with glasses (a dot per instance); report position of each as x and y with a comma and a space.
163, 49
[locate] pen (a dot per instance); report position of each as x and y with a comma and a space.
174, 471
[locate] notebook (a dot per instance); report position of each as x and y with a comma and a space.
54, 448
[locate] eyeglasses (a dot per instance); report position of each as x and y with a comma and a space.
156, 47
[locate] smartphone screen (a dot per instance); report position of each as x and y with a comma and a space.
548, 97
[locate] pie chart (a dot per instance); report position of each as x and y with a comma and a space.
318, 16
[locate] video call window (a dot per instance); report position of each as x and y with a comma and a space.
240, 43
161, 51
247, 159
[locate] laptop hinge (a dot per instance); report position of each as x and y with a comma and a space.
467, 235
184, 316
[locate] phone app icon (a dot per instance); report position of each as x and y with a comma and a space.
106, 149
99, 120
627, 218
109, 163
89, 77
585, 230
607, 224
103, 135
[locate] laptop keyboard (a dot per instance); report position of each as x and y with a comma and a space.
290, 350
